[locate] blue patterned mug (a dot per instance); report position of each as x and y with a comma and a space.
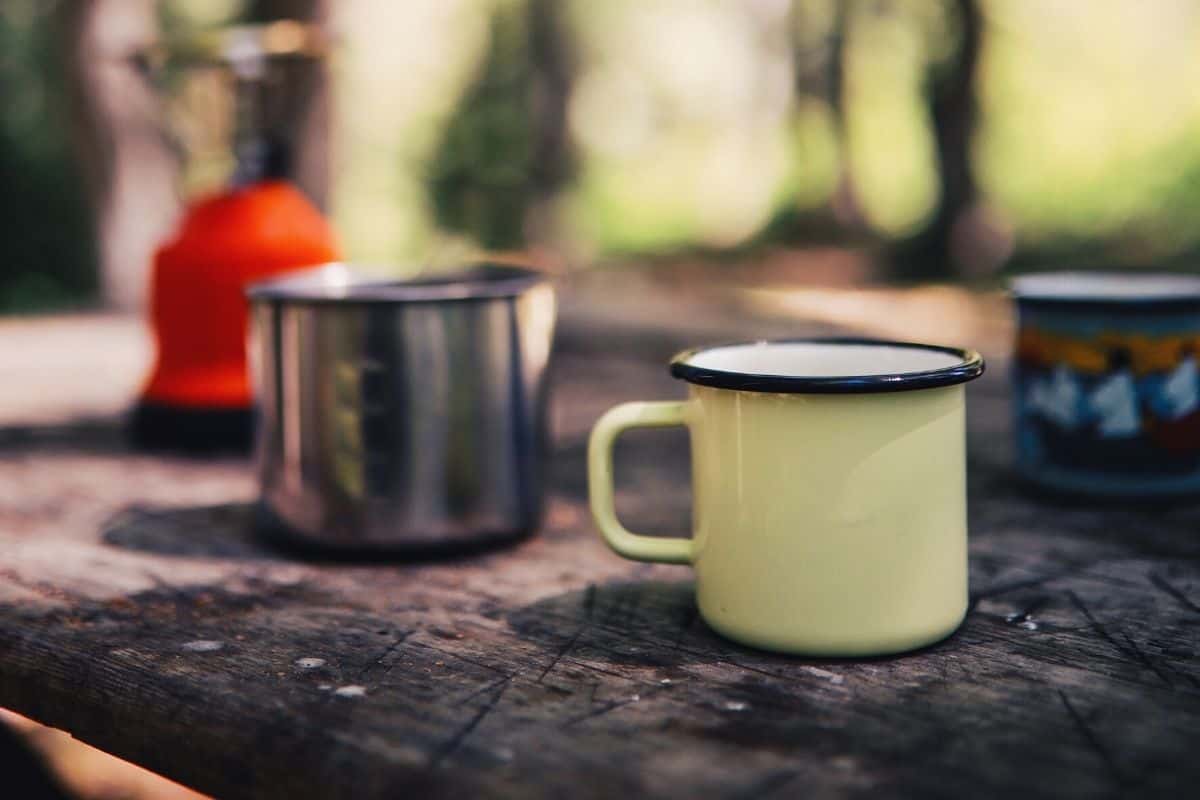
1107, 383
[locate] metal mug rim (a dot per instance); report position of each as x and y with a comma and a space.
1183, 292
336, 283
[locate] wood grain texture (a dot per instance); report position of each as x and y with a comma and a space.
139, 612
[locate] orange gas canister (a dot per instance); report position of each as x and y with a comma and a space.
258, 225
198, 396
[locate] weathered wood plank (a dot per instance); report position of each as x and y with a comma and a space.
138, 611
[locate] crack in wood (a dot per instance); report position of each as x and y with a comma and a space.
460, 736
1144, 658
1093, 740
714, 656
1130, 650
487, 687
612, 705
566, 648
594, 668
1024, 646
460, 657
1031, 583
1162, 583
391, 648
1187, 676
771, 784
588, 605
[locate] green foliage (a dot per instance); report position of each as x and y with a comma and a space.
46, 241
685, 134
480, 176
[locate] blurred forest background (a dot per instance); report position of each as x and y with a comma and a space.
940, 138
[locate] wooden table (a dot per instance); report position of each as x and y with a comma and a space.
139, 612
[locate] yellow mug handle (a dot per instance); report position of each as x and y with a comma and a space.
600, 481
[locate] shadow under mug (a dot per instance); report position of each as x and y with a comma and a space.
829, 484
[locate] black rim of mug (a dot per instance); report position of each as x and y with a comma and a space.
969, 367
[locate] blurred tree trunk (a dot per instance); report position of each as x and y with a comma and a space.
504, 153
553, 68
129, 165
553, 64
846, 209
819, 33
309, 108
936, 251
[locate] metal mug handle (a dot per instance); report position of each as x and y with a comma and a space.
675, 550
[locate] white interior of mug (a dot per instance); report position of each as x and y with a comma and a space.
822, 359
1106, 286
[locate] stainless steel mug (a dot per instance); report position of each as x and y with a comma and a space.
402, 415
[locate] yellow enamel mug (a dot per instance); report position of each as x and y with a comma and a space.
829, 485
